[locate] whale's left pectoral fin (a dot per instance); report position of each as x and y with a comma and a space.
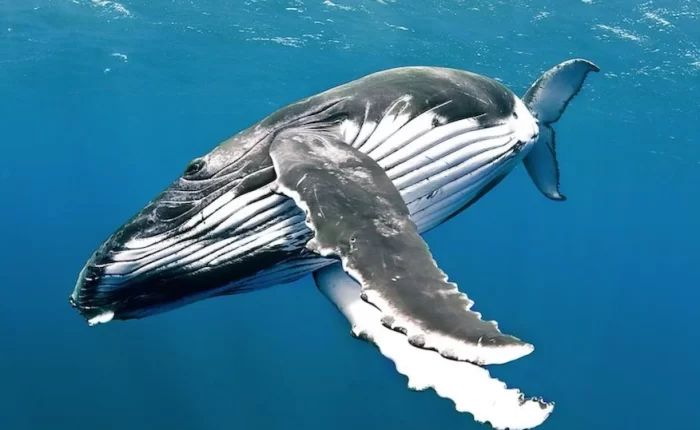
470, 387
359, 217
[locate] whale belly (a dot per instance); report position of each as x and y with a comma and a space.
437, 170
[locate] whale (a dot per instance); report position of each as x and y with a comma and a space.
341, 186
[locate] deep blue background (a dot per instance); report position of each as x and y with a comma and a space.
605, 284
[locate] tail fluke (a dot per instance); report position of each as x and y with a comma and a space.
547, 99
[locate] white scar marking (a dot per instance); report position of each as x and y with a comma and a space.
101, 318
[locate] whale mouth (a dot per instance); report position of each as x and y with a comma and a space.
103, 292
220, 246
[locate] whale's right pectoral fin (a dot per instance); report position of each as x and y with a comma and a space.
547, 99
359, 217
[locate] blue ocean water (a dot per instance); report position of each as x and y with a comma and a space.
103, 103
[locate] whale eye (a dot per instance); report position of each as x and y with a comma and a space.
194, 167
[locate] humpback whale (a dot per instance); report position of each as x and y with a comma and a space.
342, 185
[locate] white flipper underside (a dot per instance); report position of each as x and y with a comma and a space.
470, 387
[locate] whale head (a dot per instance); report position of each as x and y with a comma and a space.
182, 245
218, 229
210, 232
